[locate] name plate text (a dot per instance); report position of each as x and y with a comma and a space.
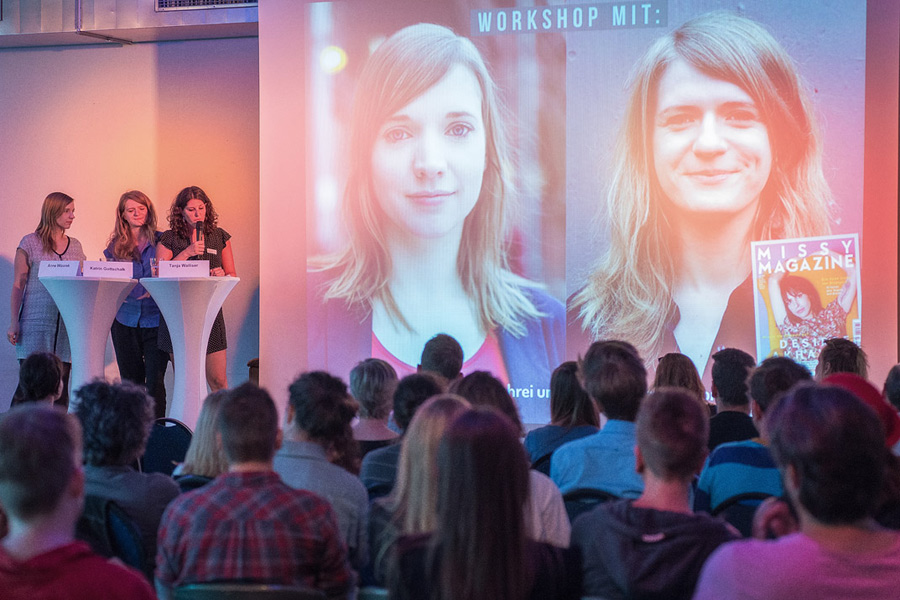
184, 268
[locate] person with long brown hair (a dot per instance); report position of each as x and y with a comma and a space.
136, 328
191, 209
35, 324
480, 548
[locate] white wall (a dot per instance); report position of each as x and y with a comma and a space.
95, 121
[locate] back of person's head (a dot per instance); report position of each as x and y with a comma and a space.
443, 355
205, 456
412, 391
248, 425
672, 431
730, 370
872, 398
40, 377
324, 411
835, 445
570, 405
892, 386
482, 489
614, 376
116, 419
773, 377
372, 383
677, 370
415, 494
481, 388
839, 355
39, 453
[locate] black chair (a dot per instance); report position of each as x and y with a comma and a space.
584, 499
188, 483
110, 532
542, 465
739, 510
246, 591
372, 593
168, 443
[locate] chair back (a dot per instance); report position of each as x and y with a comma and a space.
246, 591
372, 593
584, 499
739, 510
542, 465
167, 446
111, 532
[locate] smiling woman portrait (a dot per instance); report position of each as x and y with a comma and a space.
718, 147
426, 207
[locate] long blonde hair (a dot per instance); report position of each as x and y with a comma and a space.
205, 456
122, 241
404, 67
629, 293
54, 205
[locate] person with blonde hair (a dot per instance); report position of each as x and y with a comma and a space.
205, 459
719, 147
410, 507
135, 330
35, 324
427, 210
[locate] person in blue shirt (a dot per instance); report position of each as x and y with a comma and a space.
136, 326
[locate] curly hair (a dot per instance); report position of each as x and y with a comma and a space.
116, 419
176, 212
40, 376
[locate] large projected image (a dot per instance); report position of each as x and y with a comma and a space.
531, 179
726, 129
440, 222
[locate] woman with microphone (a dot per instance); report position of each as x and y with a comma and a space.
194, 235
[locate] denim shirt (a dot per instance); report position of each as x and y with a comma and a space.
136, 312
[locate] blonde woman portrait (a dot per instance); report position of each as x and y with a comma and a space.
427, 211
719, 146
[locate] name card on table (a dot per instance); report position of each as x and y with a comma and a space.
184, 268
58, 268
108, 269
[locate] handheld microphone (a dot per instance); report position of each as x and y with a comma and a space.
198, 231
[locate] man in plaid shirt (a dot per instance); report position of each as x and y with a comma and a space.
247, 525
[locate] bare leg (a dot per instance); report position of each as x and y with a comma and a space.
217, 370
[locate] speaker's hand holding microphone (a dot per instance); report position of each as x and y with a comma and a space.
198, 245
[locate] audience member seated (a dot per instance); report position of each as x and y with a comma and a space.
654, 547
572, 416
614, 377
892, 394
480, 548
40, 379
839, 355
379, 467
409, 509
319, 450
731, 423
677, 370
747, 466
248, 525
42, 494
830, 449
546, 516
372, 383
442, 355
205, 460
116, 419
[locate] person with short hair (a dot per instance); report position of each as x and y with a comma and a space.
379, 467
614, 376
42, 495
840, 355
372, 384
443, 355
319, 451
654, 546
732, 422
247, 524
40, 379
830, 449
116, 419
892, 387
747, 466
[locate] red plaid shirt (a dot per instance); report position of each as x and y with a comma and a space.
252, 527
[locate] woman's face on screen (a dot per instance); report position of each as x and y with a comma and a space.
799, 305
711, 148
428, 160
